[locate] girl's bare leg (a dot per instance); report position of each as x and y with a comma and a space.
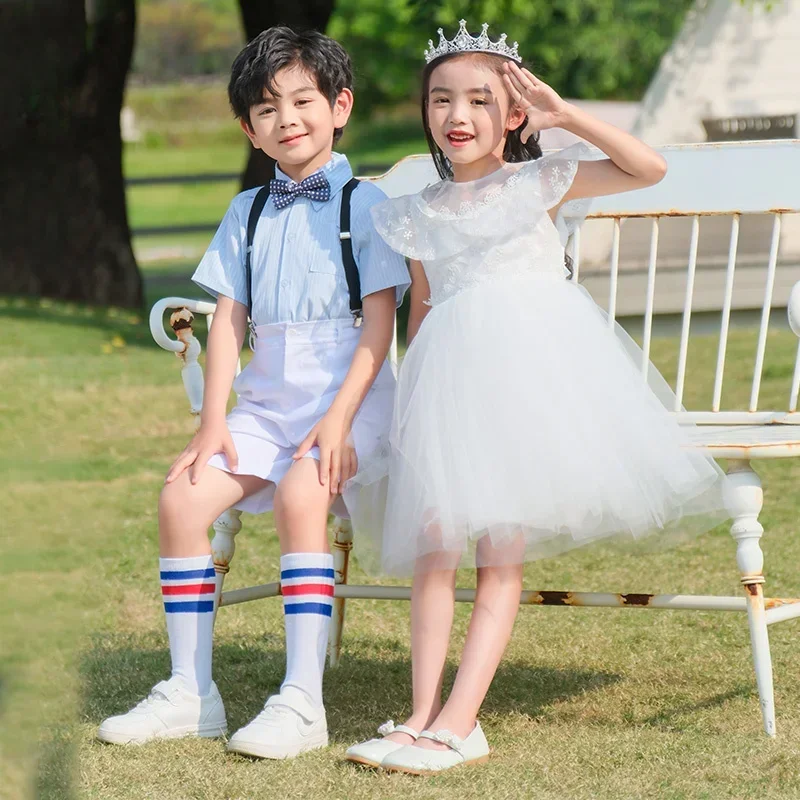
496, 605
432, 607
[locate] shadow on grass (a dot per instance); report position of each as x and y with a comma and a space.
131, 324
669, 719
372, 682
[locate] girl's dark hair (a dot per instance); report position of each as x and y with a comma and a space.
515, 149
274, 49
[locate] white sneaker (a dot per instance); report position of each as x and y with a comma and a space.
373, 752
280, 731
170, 711
421, 761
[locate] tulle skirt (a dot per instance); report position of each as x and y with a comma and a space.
522, 427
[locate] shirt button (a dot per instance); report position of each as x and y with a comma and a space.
290, 237
284, 283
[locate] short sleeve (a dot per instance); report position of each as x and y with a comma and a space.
556, 171
379, 266
221, 270
398, 224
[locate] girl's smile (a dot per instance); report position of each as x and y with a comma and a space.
459, 138
470, 113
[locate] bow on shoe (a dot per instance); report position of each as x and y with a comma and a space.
387, 728
448, 738
315, 187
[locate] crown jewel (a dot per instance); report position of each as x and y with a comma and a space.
464, 43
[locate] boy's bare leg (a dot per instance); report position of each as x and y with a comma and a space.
188, 704
302, 505
186, 510
188, 579
294, 720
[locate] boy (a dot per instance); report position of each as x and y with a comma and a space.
316, 395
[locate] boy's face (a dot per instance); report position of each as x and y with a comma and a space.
295, 126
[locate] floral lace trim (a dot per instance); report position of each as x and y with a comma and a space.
472, 208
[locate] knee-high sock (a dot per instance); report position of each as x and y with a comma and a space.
307, 587
187, 586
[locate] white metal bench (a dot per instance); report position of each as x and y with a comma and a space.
740, 182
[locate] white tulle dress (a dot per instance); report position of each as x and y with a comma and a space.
522, 425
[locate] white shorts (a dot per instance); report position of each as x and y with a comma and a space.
288, 386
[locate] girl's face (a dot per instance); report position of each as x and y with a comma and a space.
470, 114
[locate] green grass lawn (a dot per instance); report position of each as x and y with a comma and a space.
587, 703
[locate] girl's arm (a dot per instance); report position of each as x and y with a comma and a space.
420, 293
222, 354
631, 164
332, 433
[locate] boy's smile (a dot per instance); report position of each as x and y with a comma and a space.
294, 123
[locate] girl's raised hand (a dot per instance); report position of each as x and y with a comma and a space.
542, 105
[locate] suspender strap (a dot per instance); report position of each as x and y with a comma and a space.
348, 260
350, 267
259, 201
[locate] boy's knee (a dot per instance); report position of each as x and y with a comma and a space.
291, 500
172, 501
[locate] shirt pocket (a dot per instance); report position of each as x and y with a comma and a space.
322, 263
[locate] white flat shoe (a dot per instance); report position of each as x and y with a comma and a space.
420, 761
372, 752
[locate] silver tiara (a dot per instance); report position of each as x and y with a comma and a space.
464, 43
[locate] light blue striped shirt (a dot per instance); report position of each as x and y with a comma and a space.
297, 268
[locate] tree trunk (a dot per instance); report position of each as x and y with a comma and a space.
62, 197
257, 15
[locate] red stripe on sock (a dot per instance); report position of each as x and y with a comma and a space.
307, 588
189, 588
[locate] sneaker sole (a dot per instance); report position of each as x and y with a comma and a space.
410, 771
259, 750
214, 731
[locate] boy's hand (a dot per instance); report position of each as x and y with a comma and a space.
211, 438
337, 456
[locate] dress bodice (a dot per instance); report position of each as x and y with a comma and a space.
498, 226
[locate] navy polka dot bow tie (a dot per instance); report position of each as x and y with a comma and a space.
315, 187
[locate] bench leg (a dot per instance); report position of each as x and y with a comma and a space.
744, 501
342, 545
223, 546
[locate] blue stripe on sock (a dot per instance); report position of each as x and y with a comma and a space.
308, 608
189, 607
187, 574
306, 572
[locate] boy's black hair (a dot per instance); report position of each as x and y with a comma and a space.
254, 69
515, 149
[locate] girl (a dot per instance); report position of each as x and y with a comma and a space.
522, 426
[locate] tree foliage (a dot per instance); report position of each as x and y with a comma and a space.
591, 49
